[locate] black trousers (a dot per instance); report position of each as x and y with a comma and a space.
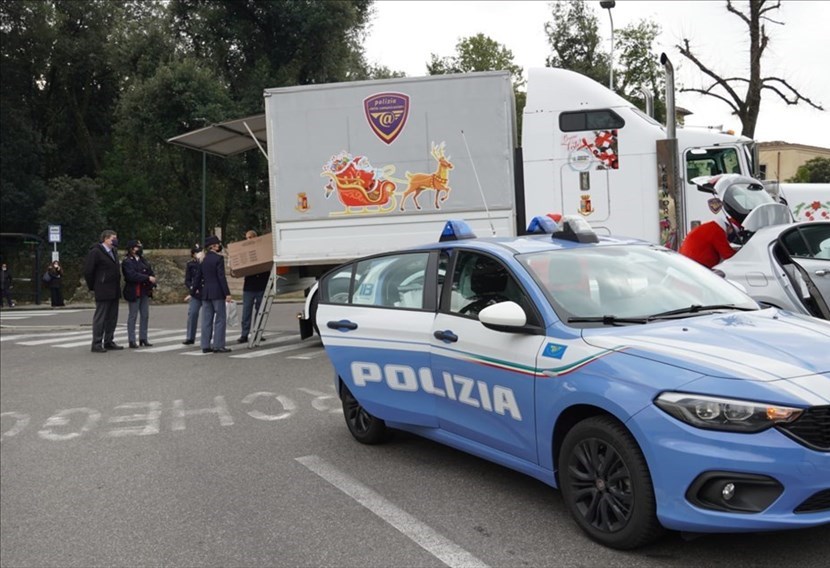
57, 297
104, 321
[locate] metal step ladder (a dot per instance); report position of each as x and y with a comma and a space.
261, 319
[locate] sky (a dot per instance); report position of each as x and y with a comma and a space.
403, 35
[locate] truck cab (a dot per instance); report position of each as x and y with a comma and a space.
588, 151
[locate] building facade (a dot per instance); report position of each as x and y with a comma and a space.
780, 160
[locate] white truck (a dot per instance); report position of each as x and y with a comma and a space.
369, 166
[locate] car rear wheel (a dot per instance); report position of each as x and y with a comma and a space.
606, 484
365, 428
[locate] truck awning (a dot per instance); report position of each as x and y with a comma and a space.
226, 138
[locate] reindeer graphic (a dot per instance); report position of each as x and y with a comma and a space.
437, 180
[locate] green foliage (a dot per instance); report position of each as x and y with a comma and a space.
576, 45
575, 40
254, 45
73, 204
477, 53
94, 88
637, 67
23, 57
152, 190
815, 170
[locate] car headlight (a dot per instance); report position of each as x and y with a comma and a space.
714, 413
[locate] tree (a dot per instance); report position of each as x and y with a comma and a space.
637, 67
24, 55
816, 170
254, 45
153, 190
477, 53
747, 106
576, 45
73, 204
575, 41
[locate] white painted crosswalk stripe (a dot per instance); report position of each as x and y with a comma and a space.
119, 336
165, 341
68, 336
51, 334
263, 352
307, 356
17, 315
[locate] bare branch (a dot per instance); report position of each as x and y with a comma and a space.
689, 55
796, 96
769, 8
737, 12
711, 94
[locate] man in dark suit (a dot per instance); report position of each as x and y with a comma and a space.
214, 294
103, 277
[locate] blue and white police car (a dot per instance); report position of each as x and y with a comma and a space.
653, 393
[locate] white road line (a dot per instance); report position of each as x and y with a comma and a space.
119, 336
309, 355
66, 334
264, 352
36, 313
424, 536
166, 348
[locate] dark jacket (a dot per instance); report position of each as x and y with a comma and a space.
193, 279
256, 282
214, 283
102, 274
137, 272
55, 275
6, 283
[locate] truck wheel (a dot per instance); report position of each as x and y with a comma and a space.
365, 428
606, 484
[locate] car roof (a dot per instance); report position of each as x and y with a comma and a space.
531, 244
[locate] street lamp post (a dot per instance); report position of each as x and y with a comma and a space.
607, 5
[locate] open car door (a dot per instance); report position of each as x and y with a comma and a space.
805, 254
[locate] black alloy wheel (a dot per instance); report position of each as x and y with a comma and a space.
365, 428
606, 484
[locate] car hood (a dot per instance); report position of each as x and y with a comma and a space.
765, 345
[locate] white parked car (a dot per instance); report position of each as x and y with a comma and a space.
786, 266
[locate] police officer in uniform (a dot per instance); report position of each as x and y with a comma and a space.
215, 293
103, 277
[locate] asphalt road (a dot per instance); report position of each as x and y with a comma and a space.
165, 456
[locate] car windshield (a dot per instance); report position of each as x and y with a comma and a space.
635, 282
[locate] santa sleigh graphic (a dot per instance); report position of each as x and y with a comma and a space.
360, 188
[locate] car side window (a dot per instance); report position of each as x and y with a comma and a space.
334, 287
393, 281
479, 281
808, 241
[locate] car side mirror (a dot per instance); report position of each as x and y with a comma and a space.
506, 316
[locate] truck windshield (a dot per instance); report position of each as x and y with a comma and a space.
712, 162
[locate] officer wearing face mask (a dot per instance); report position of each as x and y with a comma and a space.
215, 293
103, 277
139, 281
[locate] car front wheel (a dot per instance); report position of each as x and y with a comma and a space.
606, 484
365, 428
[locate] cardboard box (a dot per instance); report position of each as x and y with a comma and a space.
251, 256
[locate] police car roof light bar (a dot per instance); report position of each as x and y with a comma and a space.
576, 229
456, 230
542, 224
